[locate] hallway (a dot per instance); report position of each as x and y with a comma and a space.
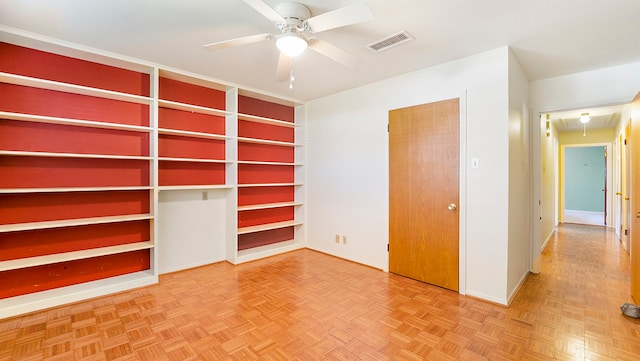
574, 302
305, 305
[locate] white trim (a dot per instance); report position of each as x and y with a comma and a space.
515, 291
608, 202
548, 239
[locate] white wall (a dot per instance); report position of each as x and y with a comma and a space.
614, 85
347, 166
519, 178
191, 230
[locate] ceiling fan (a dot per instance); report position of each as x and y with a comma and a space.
295, 26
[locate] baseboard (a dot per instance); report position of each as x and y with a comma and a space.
513, 294
546, 241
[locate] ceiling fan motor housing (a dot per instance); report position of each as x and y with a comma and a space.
294, 13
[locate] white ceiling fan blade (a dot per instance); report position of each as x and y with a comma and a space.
266, 10
333, 52
348, 15
239, 41
283, 73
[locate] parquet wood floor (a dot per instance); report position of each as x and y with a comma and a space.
306, 305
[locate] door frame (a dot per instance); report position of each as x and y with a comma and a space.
414, 100
608, 201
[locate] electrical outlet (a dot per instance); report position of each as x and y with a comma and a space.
337, 238
344, 239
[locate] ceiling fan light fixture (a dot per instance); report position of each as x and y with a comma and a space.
584, 118
291, 44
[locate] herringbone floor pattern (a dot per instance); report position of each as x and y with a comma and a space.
306, 305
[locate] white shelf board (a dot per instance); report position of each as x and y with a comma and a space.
72, 256
263, 120
187, 133
265, 141
267, 227
269, 185
268, 206
193, 160
68, 121
72, 88
71, 222
72, 155
267, 163
191, 108
72, 189
194, 187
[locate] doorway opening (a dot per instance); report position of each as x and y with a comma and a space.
584, 181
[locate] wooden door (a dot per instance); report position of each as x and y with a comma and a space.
424, 164
634, 244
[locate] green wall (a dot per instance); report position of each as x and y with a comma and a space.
584, 173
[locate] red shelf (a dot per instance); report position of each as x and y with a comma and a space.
264, 216
261, 195
265, 131
187, 93
39, 207
172, 146
40, 278
38, 137
258, 173
172, 173
266, 109
39, 64
25, 244
28, 100
263, 238
43, 172
190, 121
265, 153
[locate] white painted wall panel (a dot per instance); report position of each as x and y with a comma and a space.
519, 178
191, 230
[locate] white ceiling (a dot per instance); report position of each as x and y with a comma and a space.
600, 118
549, 37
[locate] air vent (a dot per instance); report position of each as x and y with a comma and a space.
390, 41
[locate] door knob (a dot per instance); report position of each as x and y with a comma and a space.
618, 193
637, 214
627, 198
452, 207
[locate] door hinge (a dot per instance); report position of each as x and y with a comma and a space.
625, 142
626, 232
387, 247
387, 127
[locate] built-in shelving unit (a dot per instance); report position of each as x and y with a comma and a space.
267, 177
192, 137
89, 142
76, 192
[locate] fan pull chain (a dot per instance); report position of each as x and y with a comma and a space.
291, 78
